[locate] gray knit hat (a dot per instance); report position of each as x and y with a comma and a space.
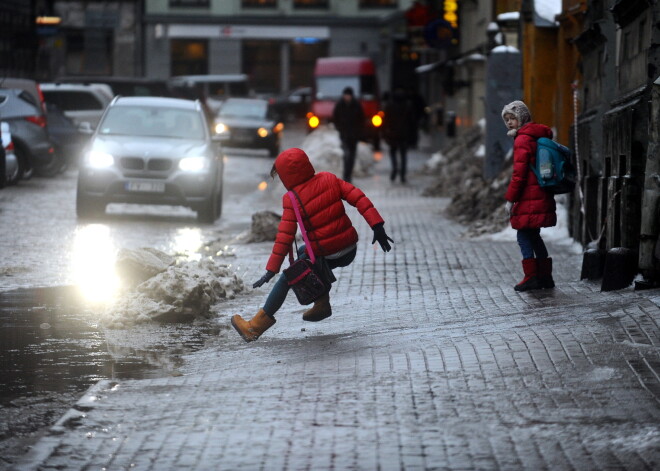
519, 110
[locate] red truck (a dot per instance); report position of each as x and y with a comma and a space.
331, 76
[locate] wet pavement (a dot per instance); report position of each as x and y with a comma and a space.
54, 285
430, 361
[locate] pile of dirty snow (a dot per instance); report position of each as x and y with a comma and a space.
458, 169
323, 147
181, 292
264, 226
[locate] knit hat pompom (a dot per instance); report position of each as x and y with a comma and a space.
519, 110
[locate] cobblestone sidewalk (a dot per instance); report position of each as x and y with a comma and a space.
430, 361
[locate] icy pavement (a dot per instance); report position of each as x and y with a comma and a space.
430, 361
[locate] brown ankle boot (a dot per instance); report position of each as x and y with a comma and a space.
545, 273
530, 281
252, 330
319, 311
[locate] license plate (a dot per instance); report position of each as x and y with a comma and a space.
146, 186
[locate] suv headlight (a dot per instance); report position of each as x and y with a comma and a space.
221, 128
97, 159
193, 164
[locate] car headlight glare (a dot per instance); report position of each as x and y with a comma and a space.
193, 164
263, 132
221, 128
98, 159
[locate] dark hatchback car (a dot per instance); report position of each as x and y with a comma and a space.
152, 150
249, 123
33, 148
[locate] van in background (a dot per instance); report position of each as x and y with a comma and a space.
331, 76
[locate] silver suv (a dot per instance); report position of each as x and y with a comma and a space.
152, 150
79, 102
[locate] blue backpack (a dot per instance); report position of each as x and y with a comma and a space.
554, 167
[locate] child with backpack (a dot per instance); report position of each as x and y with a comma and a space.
529, 206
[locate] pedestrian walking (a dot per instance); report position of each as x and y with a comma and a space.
348, 118
329, 229
396, 131
528, 206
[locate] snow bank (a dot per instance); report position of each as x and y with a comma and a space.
323, 147
264, 226
181, 293
557, 235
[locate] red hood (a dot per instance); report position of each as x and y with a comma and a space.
293, 167
535, 130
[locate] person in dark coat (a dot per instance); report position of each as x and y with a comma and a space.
529, 206
348, 118
396, 131
330, 230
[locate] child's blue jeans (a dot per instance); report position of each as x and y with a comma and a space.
281, 288
531, 244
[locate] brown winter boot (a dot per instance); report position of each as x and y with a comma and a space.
320, 310
252, 330
530, 281
544, 266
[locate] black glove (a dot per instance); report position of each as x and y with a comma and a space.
382, 237
264, 279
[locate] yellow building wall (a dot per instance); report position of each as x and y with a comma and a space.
540, 64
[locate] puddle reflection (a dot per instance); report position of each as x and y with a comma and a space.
187, 242
93, 263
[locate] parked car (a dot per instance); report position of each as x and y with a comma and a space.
31, 87
80, 102
10, 168
293, 105
213, 90
124, 86
152, 150
32, 146
65, 136
249, 123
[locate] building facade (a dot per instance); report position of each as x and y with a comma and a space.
274, 42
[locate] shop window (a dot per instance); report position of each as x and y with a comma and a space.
261, 62
379, 3
258, 3
189, 57
89, 52
310, 4
189, 3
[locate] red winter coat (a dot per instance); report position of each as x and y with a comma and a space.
328, 227
533, 206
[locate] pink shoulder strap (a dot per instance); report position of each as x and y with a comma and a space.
308, 246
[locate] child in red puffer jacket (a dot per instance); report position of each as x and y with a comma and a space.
329, 229
529, 206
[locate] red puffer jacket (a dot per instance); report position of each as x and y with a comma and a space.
533, 206
328, 227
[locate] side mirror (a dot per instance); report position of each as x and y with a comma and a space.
85, 128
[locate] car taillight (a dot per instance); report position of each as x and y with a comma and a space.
10, 146
38, 120
313, 121
42, 99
